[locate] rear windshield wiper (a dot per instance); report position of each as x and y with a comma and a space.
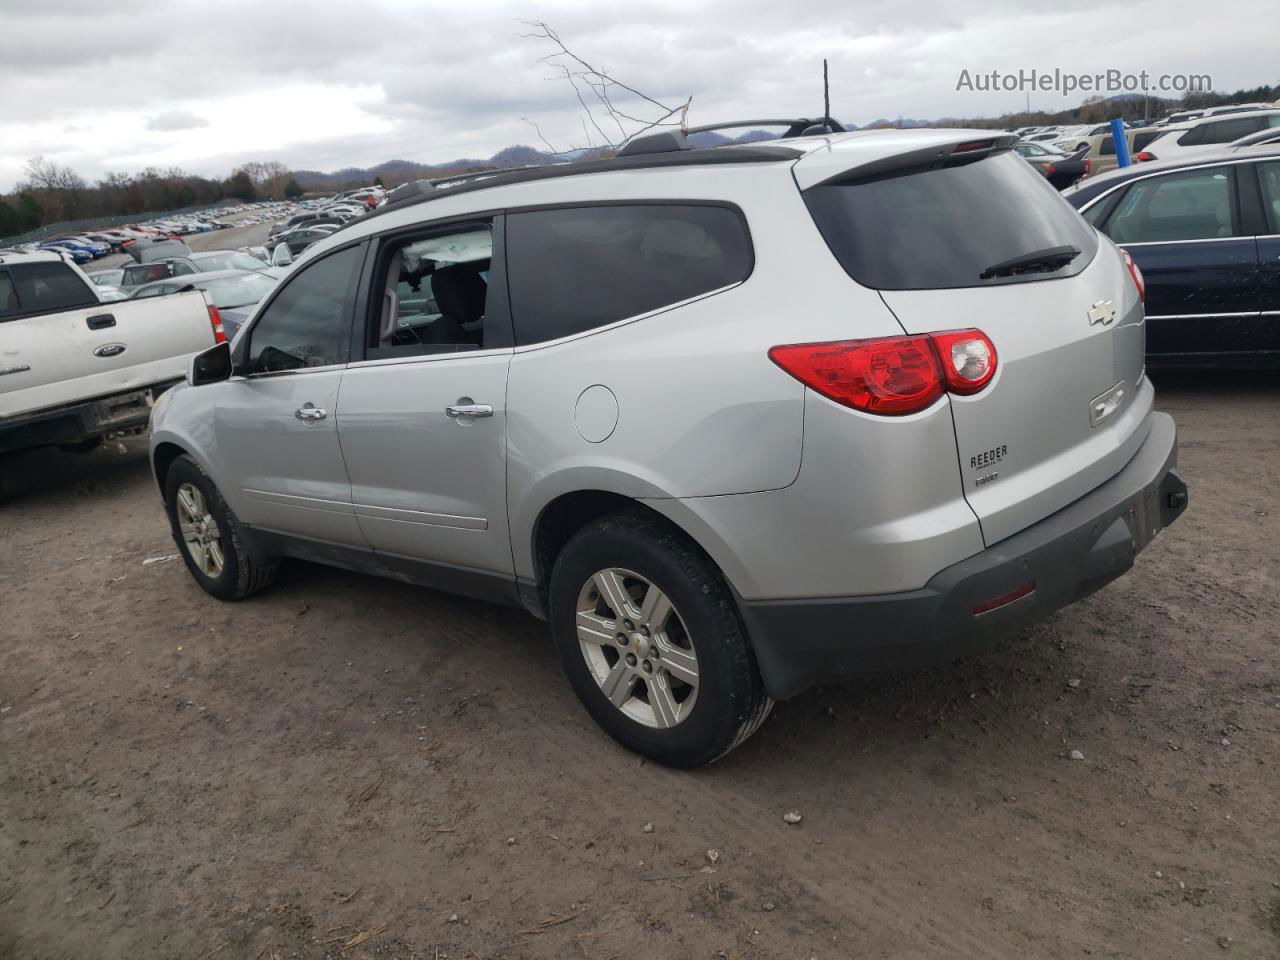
1038, 261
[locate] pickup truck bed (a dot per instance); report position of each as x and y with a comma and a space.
73, 368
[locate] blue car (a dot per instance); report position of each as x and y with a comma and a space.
78, 253
1205, 232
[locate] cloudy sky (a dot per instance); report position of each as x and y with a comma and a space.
319, 84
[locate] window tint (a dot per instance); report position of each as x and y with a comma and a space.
306, 324
1108, 147
1143, 138
576, 269
182, 268
432, 293
1195, 205
50, 286
8, 296
941, 227
1224, 131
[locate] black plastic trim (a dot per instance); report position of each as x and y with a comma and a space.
1069, 555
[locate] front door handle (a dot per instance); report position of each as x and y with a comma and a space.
100, 321
309, 411
456, 410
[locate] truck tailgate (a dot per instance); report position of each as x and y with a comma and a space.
59, 358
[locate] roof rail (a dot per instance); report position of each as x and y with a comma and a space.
409, 191
668, 141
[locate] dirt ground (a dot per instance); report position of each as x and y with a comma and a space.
345, 767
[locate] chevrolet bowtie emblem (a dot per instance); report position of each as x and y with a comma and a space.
1103, 312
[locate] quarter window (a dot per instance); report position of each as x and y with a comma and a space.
1195, 205
1268, 173
575, 269
9, 306
306, 325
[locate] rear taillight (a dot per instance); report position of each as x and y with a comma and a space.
1144, 157
892, 376
215, 320
1088, 166
1136, 272
1050, 169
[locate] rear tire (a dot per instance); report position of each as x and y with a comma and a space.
671, 675
209, 537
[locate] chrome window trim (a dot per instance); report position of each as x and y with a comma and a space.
1204, 316
1160, 173
1168, 243
429, 358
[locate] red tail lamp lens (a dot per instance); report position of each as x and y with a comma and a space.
891, 377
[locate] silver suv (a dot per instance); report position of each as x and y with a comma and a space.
734, 420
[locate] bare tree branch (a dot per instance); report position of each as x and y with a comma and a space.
604, 90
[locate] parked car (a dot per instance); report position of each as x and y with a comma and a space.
299, 240
587, 389
1058, 168
77, 368
1206, 234
77, 251
234, 292
107, 278
1102, 148
1207, 135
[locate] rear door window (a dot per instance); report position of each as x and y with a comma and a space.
1194, 205
575, 269
46, 287
938, 227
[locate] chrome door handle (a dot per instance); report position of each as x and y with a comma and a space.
309, 412
456, 410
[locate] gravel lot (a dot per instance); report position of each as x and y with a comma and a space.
351, 767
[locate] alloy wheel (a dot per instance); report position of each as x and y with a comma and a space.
199, 531
637, 648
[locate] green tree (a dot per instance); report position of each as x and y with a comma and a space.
30, 213
240, 186
10, 224
293, 189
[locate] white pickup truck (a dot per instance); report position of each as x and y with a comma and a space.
75, 369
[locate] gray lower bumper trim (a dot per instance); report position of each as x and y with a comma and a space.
1069, 555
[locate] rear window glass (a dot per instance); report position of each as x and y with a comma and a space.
43, 287
945, 226
576, 269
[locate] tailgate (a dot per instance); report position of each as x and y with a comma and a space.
982, 241
58, 358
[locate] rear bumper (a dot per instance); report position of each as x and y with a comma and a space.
118, 413
1068, 555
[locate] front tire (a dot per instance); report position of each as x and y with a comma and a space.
652, 644
209, 537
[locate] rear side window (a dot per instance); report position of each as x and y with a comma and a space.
45, 287
1108, 147
1144, 137
923, 229
572, 270
1194, 205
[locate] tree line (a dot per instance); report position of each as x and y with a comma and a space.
52, 193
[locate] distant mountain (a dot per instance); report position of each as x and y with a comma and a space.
395, 172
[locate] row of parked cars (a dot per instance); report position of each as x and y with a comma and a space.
90, 245
316, 219
1073, 153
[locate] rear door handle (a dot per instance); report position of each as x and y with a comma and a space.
309, 411
100, 321
456, 410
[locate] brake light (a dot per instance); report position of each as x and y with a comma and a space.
892, 376
970, 145
1050, 169
1088, 166
1144, 157
1136, 272
215, 321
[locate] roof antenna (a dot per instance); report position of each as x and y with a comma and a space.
826, 97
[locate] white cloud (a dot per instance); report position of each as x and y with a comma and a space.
322, 85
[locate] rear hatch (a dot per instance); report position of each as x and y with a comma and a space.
976, 238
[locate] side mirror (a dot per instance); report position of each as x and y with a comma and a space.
280, 256
211, 366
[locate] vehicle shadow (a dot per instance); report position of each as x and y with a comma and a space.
45, 474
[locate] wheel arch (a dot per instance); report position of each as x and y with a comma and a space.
162, 456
